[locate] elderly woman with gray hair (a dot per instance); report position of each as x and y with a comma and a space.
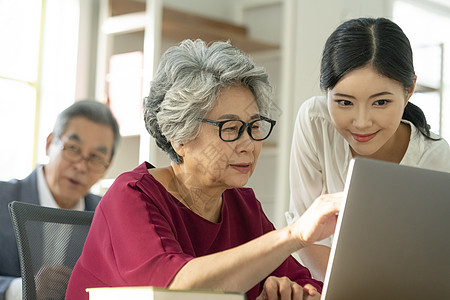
192, 225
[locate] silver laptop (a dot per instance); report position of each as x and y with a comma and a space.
392, 239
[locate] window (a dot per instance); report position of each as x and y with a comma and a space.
423, 23
37, 77
21, 25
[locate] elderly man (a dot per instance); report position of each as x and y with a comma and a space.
80, 150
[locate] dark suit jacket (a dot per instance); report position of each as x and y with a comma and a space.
26, 191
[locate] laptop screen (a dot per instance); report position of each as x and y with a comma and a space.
392, 239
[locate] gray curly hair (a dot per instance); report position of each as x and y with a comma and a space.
188, 81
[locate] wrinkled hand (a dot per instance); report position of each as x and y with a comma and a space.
51, 282
276, 288
319, 220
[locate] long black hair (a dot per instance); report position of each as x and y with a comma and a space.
378, 42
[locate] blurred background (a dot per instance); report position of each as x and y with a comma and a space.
55, 52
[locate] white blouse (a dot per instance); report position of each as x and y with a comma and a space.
320, 157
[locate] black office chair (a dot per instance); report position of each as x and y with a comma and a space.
50, 242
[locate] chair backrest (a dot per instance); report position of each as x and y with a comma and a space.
49, 241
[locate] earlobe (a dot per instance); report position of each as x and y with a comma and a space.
410, 90
179, 148
48, 143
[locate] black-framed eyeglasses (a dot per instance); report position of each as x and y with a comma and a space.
72, 153
231, 130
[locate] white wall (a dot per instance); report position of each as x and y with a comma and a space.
316, 20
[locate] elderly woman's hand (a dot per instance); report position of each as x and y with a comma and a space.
276, 288
319, 220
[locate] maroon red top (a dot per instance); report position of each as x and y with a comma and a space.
142, 235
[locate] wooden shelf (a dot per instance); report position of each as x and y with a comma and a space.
122, 7
420, 88
130, 16
131, 22
177, 25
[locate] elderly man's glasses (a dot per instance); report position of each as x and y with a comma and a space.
96, 162
231, 130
